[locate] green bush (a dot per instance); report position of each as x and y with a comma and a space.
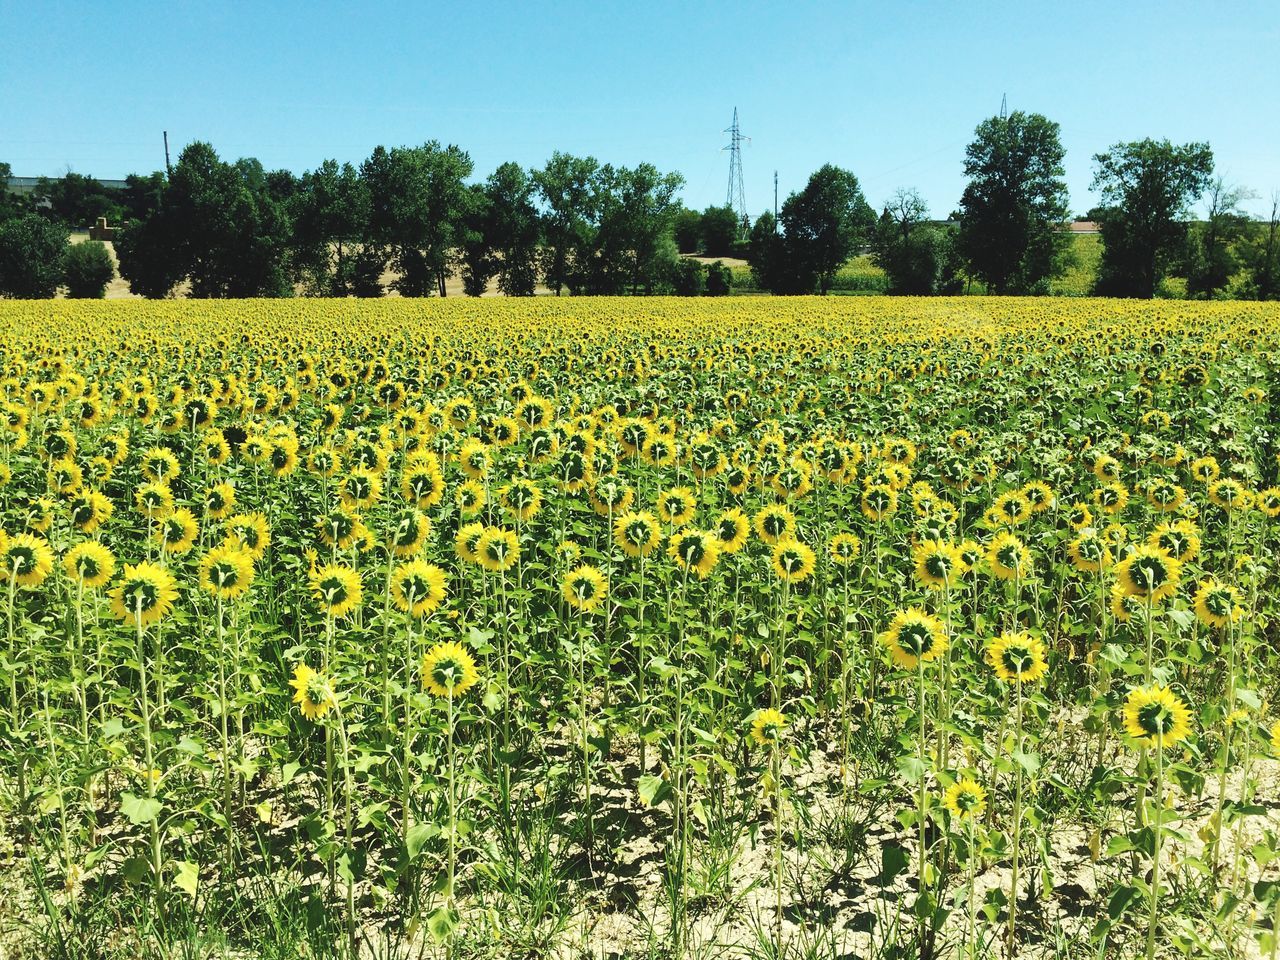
31, 252
719, 280
87, 269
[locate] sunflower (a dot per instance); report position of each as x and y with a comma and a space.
879, 501
160, 465
938, 564
409, 529
145, 594
473, 458
1149, 573
252, 531
26, 560
677, 506
1217, 604
1124, 605
155, 500
177, 532
1089, 553
90, 510
360, 488
585, 588
90, 563
470, 498
1164, 495
637, 533
1079, 516
497, 549
418, 587
522, 498
337, 589
1008, 557
312, 692
732, 530
1229, 494
448, 670
220, 501
422, 482
793, 561
767, 726
1205, 469
1268, 502
1111, 498
844, 548
1180, 540
775, 524
1012, 507
965, 800
914, 637
467, 541
1156, 717
226, 571
694, 550
1017, 657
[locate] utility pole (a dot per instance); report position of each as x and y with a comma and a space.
775, 201
736, 196
168, 168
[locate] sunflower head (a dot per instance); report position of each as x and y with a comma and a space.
793, 561
1149, 573
1017, 657
637, 533
1156, 717
144, 595
226, 571
768, 726
89, 563
448, 670
965, 800
418, 587
585, 588
914, 637
312, 692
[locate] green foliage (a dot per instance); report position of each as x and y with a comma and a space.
87, 270
719, 231
689, 279
719, 280
31, 257
1014, 203
1147, 187
78, 200
823, 225
687, 230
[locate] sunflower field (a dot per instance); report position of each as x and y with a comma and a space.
769, 628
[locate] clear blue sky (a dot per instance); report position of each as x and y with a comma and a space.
891, 89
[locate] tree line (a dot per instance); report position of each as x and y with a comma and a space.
409, 218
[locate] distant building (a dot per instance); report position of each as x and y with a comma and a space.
1082, 226
24, 186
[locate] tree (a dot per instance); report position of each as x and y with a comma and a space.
568, 188
511, 229
1263, 257
1211, 257
329, 210
78, 200
31, 256
765, 253
689, 278
1146, 188
10, 204
87, 269
1014, 203
910, 251
634, 247
687, 230
719, 231
141, 196
217, 226
418, 200
823, 226
719, 280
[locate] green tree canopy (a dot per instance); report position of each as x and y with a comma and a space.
31, 257
1014, 203
1147, 188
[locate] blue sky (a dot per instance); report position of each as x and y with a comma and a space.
891, 90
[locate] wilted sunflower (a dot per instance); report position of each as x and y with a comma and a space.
793, 561
418, 587
914, 637
965, 799
144, 594
1217, 604
585, 588
1017, 657
312, 692
767, 726
1156, 717
637, 533
89, 563
337, 589
448, 670
694, 550
1149, 573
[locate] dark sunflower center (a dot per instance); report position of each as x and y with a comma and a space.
1155, 718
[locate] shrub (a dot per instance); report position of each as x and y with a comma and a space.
31, 252
719, 280
87, 269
